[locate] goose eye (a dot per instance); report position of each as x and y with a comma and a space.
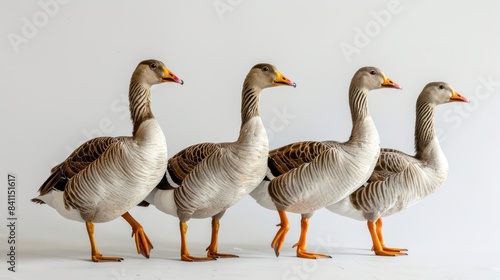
441, 87
265, 68
373, 72
153, 66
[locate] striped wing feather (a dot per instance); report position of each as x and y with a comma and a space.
286, 158
82, 157
182, 163
390, 163
375, 194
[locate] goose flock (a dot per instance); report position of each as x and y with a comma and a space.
106, 177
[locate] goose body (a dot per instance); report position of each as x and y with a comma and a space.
232, 172
307, 176
205, 179
115, 181
395, 171
400, 180
223, 175
107, 176
303, 189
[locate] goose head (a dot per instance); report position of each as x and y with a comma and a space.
372, 78
437, 93
152, 72
265, 75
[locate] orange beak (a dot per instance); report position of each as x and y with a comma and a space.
456, 97
388, 83
282, 80
168, 76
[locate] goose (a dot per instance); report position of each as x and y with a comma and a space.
203, 180
400, 180
107, 176
306, 176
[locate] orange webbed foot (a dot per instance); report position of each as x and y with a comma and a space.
379, 248
142, 242
394, 249
216, 255
279, 239
390, 252
302, 243
189, 258
302, 253
100, 258
95, 255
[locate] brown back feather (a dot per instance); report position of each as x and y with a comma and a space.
82, 157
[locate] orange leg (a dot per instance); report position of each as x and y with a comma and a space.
96, 256
381, 239
302, 244
184, 249
142, 242
377, 245
212, 248
279, 239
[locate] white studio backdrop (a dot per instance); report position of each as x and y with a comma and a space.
66, 66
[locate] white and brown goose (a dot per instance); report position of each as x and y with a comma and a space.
211, 177
307, 176
399, 180
107, 176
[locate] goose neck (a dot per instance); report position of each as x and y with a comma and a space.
363, 128
358, 103
425, 133
249, 103
139, 104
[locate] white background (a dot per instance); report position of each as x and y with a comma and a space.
65, 79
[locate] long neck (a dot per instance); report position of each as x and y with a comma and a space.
249, 102
424, 129
140, 104
362, 129
358, 103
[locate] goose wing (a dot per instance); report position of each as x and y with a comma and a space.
390, 163
375, 196
82, 157
286, 158
182, 163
